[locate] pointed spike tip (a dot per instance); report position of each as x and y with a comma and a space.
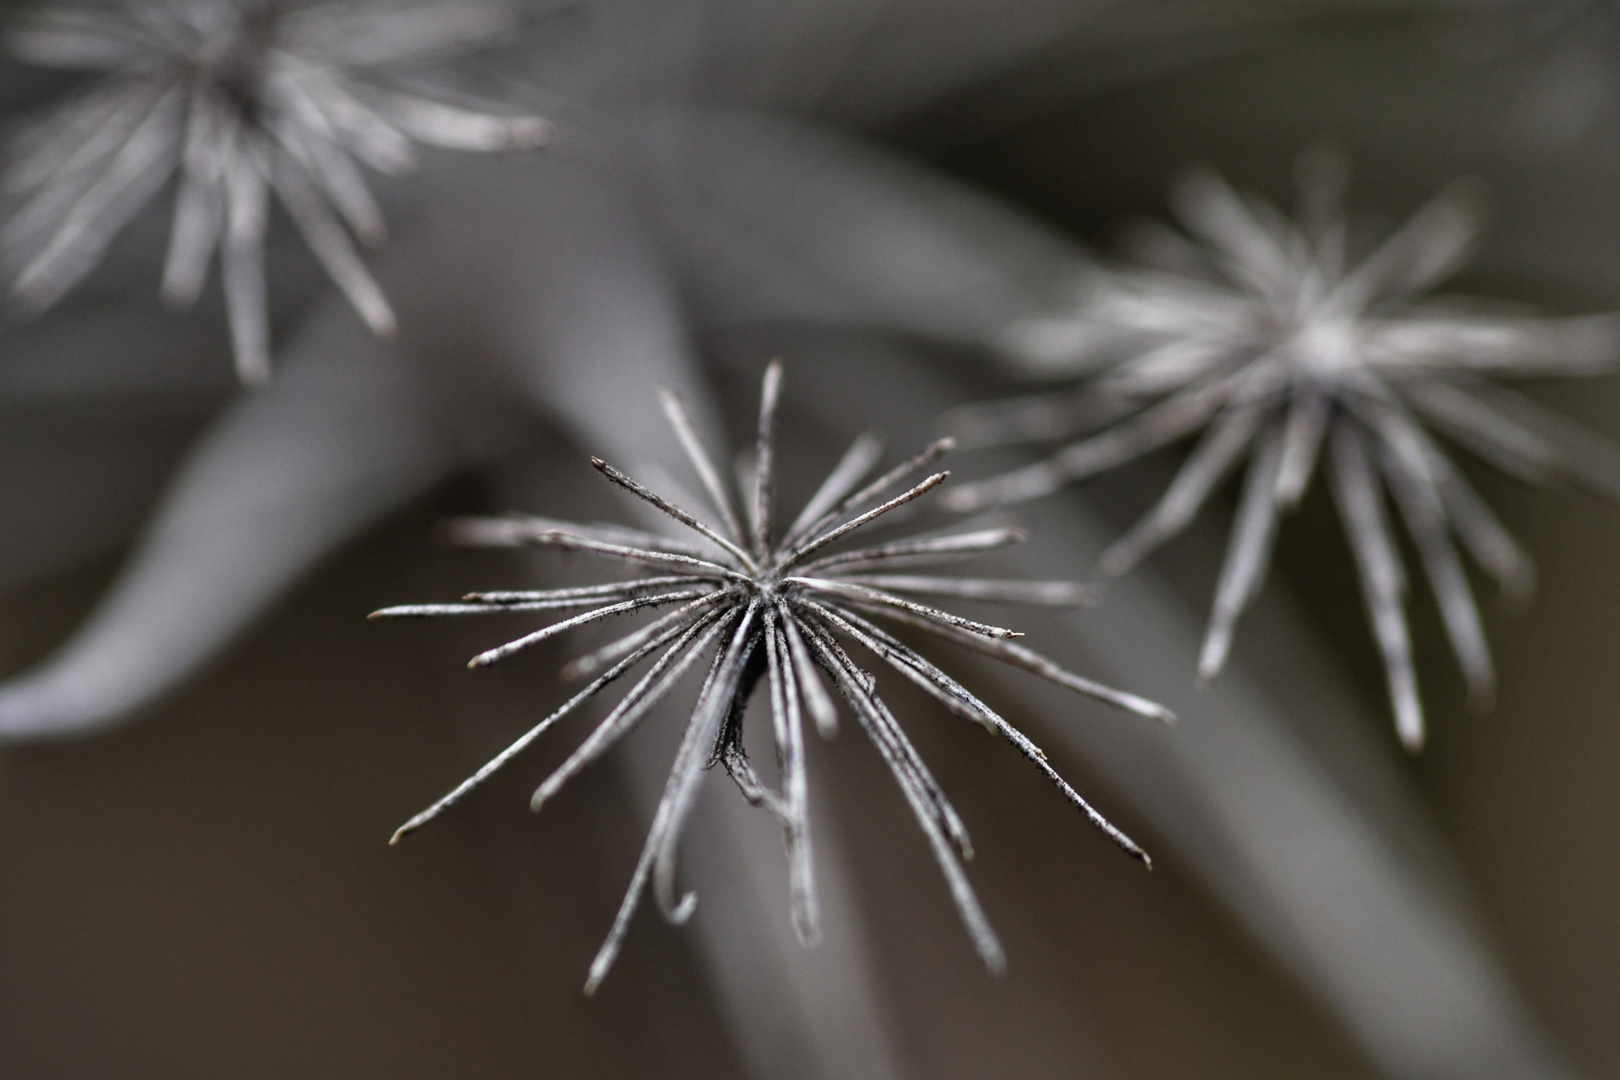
1162, 714
1412, 731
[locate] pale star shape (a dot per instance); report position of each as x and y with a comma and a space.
761, 602
238, 100
1263, 334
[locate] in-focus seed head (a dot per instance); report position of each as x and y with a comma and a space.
750, 600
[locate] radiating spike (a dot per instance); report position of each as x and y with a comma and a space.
919, 552
140, 167
789, 735
816, 543
765, 482
659, 680
931, 453
910, 664
926, 675
699, 568
1510, 446
1424, 514
83, 129
683, 775
1217, 215
528, 737
917, 783
857, 461
1034, 418
815, 695
419, 611
1360, 504
1033, 662
671, 509
1206, 467
338, 178
1302, 442
331, 245
879, 598
199, 205
633, 587
713, 707
584, 665
247, 217
1427, 249
501, 652
967, 903
1044, 593
681, 422
522, 530
1561, 445
436, 124
1481, 533
1249, 550
1147, 430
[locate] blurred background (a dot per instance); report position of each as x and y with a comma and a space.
201, 886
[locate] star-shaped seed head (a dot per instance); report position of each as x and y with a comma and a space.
1267, 336
749, 601
239, 99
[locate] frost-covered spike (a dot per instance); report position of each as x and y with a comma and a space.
816, 543
681, 422
874, 490
671, 509
1044, 593
857, 461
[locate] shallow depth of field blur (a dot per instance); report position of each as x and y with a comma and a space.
208, 891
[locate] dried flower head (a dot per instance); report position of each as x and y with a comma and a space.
239, 98
780, 607
1265, 335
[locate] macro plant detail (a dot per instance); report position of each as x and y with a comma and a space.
1273, 340
756, 602
237, 101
